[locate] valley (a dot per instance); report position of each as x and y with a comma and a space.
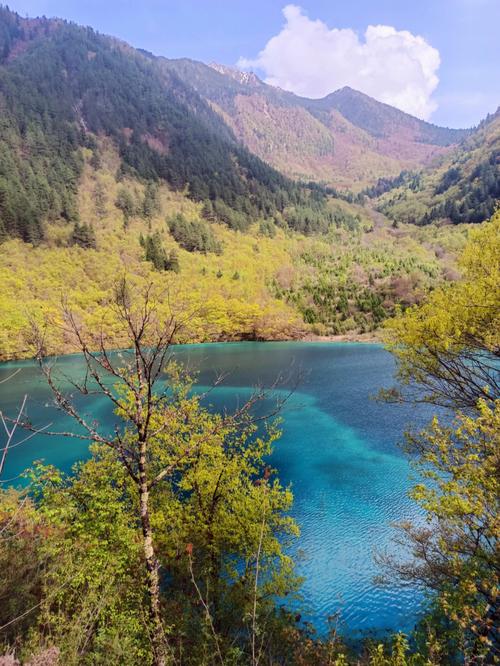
287, 259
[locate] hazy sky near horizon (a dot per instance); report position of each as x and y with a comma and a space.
437, 59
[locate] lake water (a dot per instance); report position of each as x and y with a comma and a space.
339, 450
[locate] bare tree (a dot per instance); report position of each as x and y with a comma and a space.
149, 338
10, 426
256, 651
129, 381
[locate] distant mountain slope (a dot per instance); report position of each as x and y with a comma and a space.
62, 85
223, 136
464, 187
383, 121
346, 139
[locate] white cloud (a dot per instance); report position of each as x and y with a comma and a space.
310, 59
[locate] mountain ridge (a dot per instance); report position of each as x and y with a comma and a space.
115, 161
250, 78
358, 139
62, 85
463, 187
346, 139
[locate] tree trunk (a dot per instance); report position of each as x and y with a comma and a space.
152, 566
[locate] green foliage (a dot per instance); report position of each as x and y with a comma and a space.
157, 255
100, 200
193, 235
465, 187
66, 84
84, 236
20, 554
285, 280
172, 263
125, 202
356, 282
458, 555
399, 654
476, 196
267, 228
454, 552
92, 594
39, 161
384, 185
449, 346
217, 520
10, 31
307, 220
150, 204
450, 177
39, 169
219, 211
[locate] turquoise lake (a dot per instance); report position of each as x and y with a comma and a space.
340, 450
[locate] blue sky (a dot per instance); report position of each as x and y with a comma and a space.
439, 59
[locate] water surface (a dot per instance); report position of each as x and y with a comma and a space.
339, 450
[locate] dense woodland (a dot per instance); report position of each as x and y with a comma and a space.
345, 140
168, 544
62, 84
464, 187
266, 283
71, 98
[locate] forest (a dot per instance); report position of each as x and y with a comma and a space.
464, 187
169, 544
123, 152
163, 129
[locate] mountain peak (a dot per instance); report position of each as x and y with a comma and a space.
382, 120
347, 89
245, 78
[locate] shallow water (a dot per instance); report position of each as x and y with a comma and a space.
339, 450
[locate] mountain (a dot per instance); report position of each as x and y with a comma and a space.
61, 86
115, 162
463, 187
347, 139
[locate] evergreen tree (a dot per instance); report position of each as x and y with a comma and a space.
100, 200
172, 263
47, 119
151, 202
84, 236
125, 203
193, 235
157, 255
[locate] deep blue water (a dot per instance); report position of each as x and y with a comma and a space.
339, 450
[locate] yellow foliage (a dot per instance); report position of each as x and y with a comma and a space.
231, 296
445, 343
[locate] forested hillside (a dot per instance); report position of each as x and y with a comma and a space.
464, 187
62, 85
266, 283
115, 162
147, 202
346, 139
185, 559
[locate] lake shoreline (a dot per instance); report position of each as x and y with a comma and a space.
344, 337
368, 338
338, 450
